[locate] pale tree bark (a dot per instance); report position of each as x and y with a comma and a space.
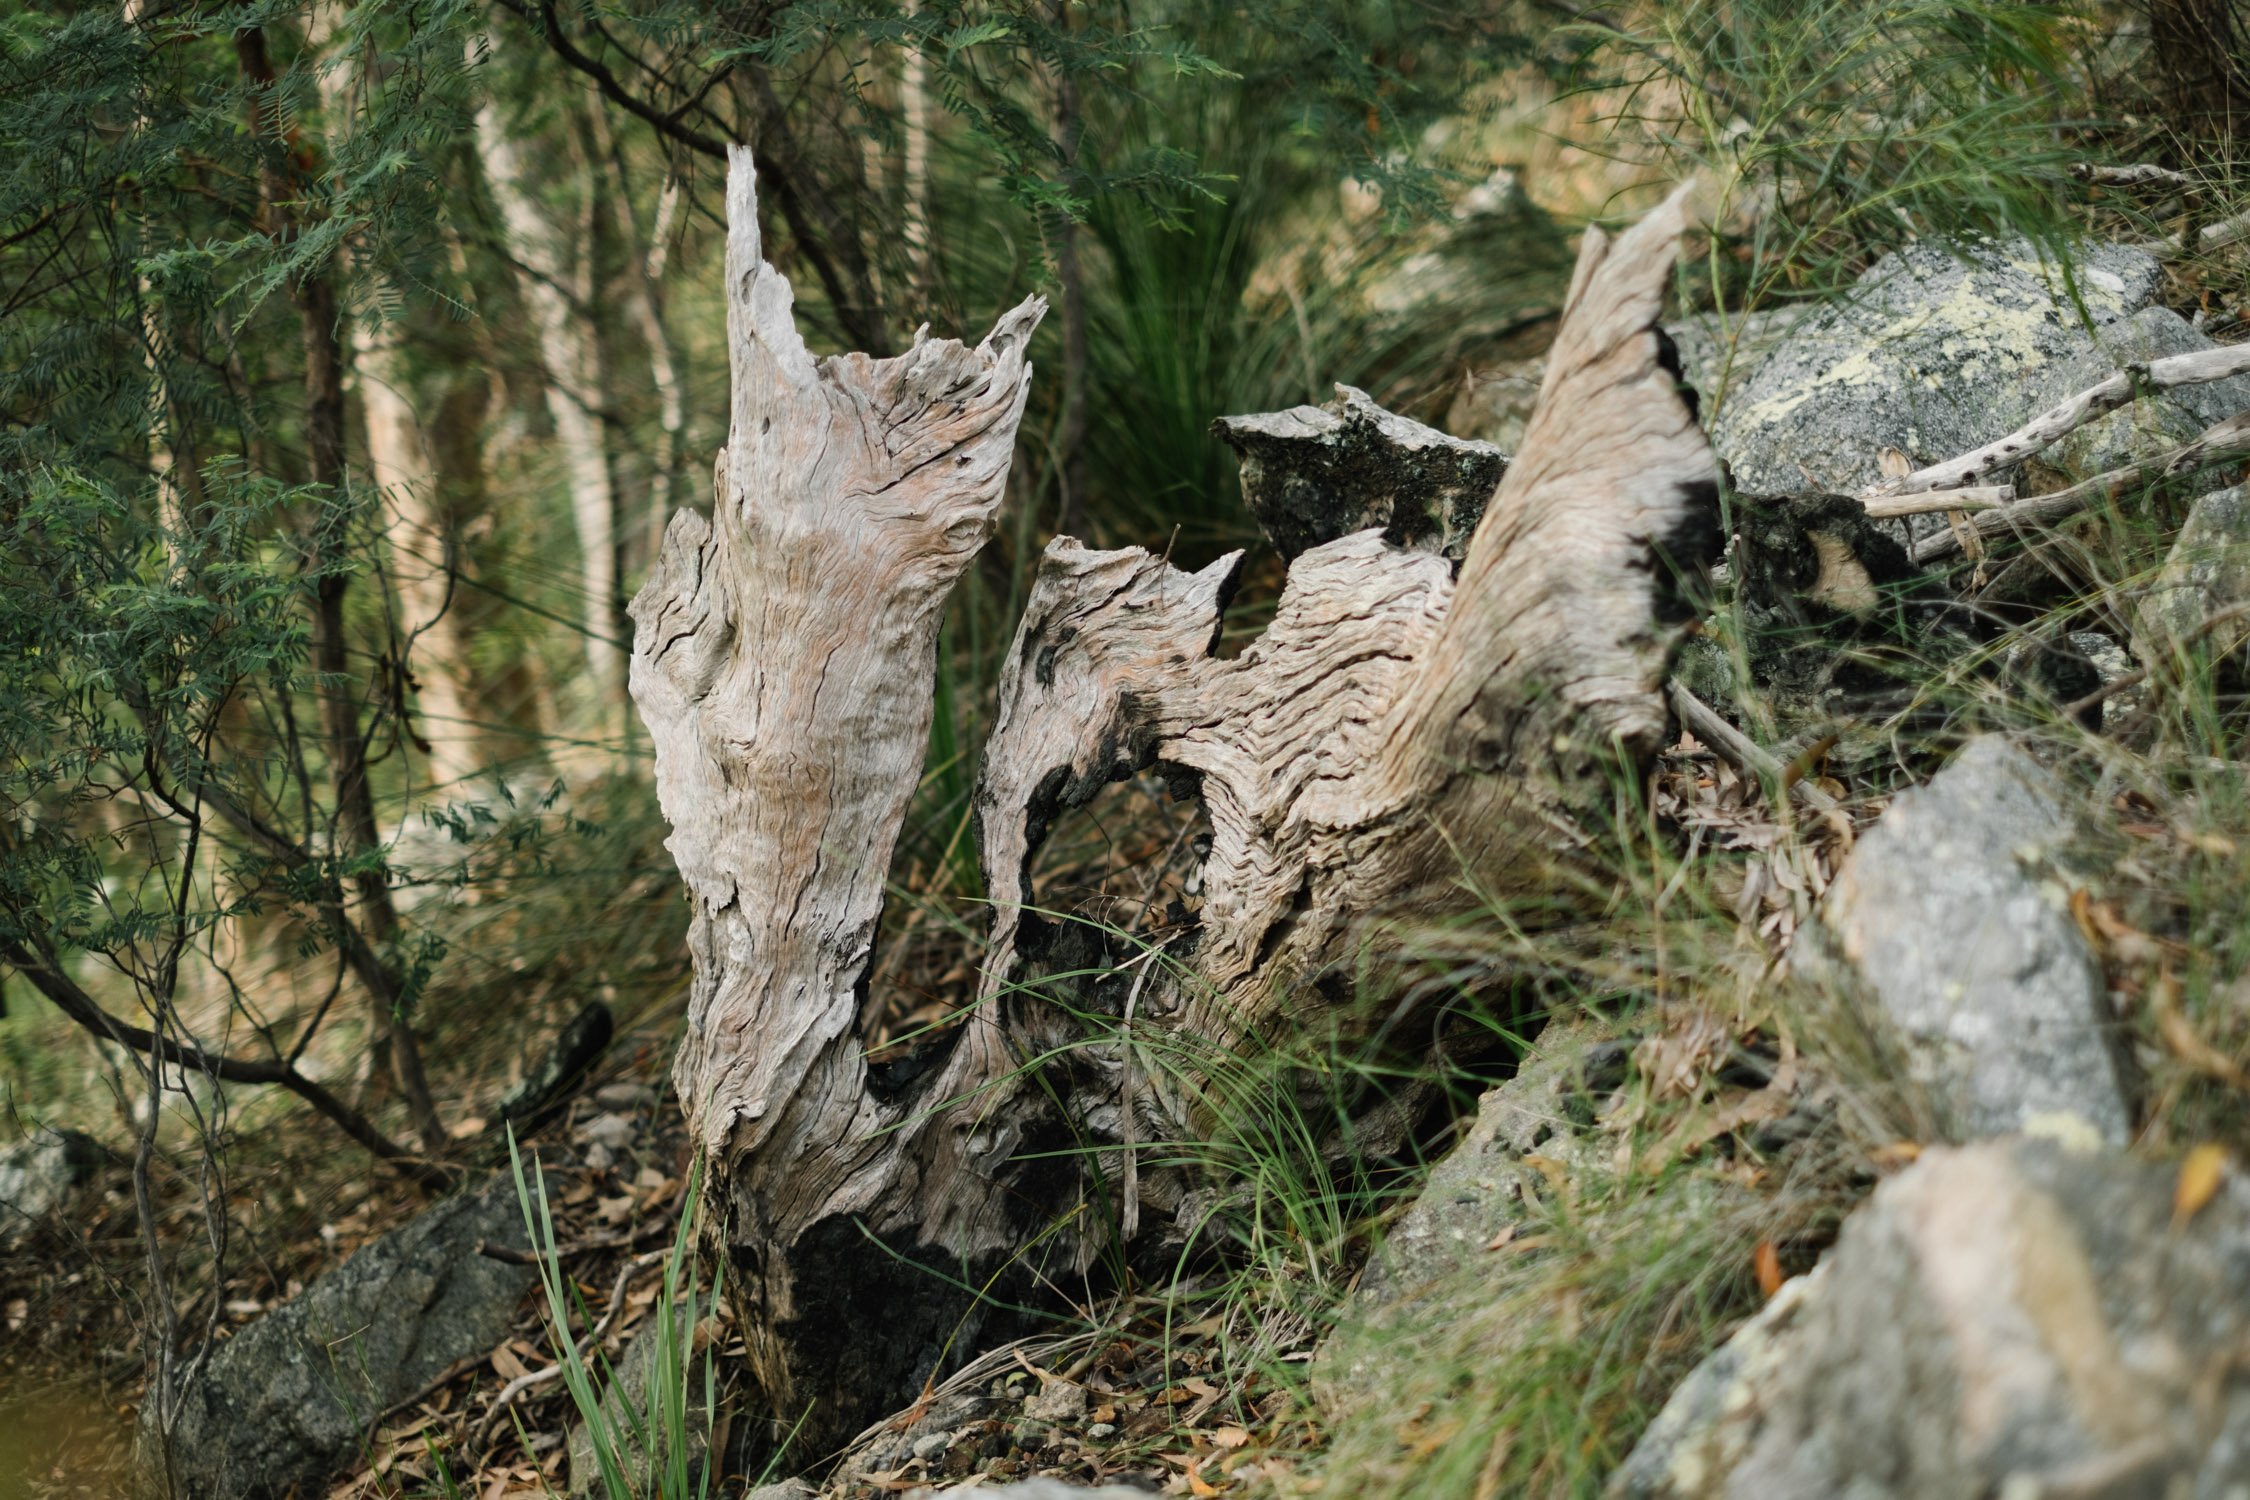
355, 830
422, 526
421, 491
914, 103
641, 305
556, 286
1399, 737
171, 441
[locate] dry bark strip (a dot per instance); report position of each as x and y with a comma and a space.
1400, 735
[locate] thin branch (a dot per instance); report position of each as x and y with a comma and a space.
2139, 174
1746, 754
780, 172
2228, 440
47, 976
1971, 497
2059, 421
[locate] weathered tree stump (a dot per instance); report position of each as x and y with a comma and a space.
1406, 731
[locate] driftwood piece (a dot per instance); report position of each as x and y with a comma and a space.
2138, 174
1397, 738
1930, 502
783, 660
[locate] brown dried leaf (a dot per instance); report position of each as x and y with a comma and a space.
2202, 1172
1766, 1261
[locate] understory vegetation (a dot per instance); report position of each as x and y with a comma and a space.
352, 359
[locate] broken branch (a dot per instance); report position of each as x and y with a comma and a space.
2223, 442
2058, 422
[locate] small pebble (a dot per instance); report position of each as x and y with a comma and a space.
624, 1095
611, 1130
1102, 1430
1057, 1401
931, 1445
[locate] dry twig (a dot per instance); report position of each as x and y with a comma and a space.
2059, 421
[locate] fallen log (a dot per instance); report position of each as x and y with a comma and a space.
1409, 737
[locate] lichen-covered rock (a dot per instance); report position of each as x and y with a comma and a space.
1424, 1274
1312, 474
1947, 922
2156, 422
1940, 348
1719, 355
37, 1175
2207, 572
1716, 355
289, 1400
2007, 1319
1479, 1189
2113, 664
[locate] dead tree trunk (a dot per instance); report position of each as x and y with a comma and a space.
1401, 733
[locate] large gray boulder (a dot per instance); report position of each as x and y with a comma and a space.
289, 1400
2008, 1319
1940, 348
1947, 923
1432, 1267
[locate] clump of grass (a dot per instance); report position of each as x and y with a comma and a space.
655, 1448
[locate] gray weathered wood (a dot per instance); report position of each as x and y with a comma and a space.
1398, 738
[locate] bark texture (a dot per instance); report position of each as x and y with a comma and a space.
1408, 729
557, 288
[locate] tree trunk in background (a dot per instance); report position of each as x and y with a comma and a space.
914, 106
356, 831
642, 306
422, 497
171, 443
555, 285
422, 526
1394, 741
2202, 73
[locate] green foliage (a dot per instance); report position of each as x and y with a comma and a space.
1844, 129
149, 679
1350, 84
